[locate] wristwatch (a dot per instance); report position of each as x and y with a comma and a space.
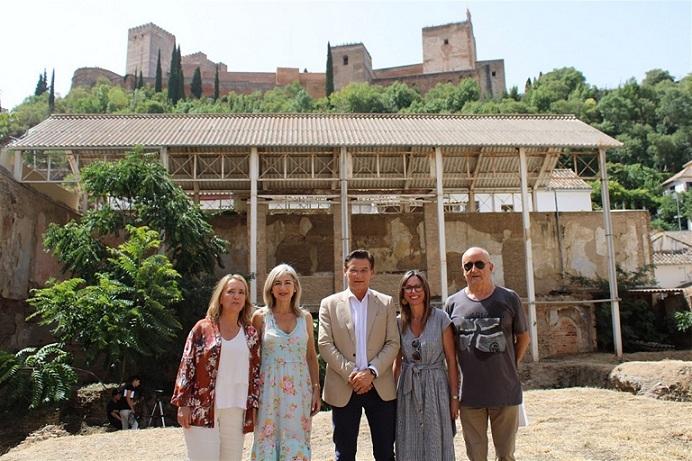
372, 372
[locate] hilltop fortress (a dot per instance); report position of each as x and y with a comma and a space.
449, 55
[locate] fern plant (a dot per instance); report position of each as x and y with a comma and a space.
125, 313
36, 377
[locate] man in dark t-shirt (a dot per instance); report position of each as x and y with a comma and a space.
491, 339
113, 409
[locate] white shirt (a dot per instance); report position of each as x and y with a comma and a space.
232, 376
359, 313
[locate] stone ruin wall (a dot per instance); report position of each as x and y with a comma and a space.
399, 242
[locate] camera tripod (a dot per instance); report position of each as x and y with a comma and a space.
157, 410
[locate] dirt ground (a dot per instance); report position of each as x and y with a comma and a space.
564, 425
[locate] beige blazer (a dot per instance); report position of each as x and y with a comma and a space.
337, 345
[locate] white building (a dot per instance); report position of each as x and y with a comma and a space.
672, 258
680, 182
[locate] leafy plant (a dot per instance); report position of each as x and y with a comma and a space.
36, 377
126, 312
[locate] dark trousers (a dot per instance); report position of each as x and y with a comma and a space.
381, 418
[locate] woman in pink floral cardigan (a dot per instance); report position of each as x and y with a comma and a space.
217, 398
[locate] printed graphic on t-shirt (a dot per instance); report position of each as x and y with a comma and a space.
485, 334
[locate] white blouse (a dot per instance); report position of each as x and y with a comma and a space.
232, 377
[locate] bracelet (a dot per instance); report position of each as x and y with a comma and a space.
316, 386
454, 397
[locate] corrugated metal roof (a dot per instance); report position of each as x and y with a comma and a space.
65, 131
668, 258
562, 179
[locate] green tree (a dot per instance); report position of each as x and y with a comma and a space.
126, 313
196, 85
448, 97
135, 190
173, 78
359, 98
41, 85
35, 377
51, 93
329, 73
216, 83
399, 96
158, 80
181, 77
140, 80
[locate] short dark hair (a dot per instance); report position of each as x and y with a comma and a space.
360, 254
115, 392
132, 378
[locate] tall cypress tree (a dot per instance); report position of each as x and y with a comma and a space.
181, 77
173, 86
40, 86
51, 95
329, 78
196, 85
45, 81
140, 80
157, 81
216, 83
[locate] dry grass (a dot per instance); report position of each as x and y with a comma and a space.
565, 424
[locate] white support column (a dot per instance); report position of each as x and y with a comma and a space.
254, 176
345, 211
439, 200
612, 273
18, 167
163, 156
528, 251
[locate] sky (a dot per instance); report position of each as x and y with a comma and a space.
608, 41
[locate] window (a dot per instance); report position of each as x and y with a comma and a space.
345, 59
492, 73
507, 207
446, 41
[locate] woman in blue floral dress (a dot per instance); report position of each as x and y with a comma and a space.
289, 374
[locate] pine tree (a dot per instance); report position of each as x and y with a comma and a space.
181, 77
140, 81
45, 81
173, 94
329, 79
51, 95
196, 85
527, 85
39, 85
216, 83
158, 82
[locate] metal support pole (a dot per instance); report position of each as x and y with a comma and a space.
612, 273
439, 201
254, 177
528, 251
343, 184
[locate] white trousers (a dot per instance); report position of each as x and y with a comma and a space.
223, 442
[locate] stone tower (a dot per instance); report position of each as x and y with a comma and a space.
351, 63
450, 47
143, 45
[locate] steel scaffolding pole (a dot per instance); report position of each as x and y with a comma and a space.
528, 251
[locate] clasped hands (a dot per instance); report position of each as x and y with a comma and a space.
361, 381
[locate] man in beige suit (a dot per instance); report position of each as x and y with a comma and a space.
359, 340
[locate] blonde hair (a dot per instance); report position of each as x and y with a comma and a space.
214, 310
275, 273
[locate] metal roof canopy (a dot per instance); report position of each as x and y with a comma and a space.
338, 154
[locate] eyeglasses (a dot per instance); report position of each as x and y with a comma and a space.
412, 288
416, 350
480, 265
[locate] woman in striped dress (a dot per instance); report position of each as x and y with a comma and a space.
427, 400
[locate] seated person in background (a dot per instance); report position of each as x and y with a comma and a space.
113, 409
127, 403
